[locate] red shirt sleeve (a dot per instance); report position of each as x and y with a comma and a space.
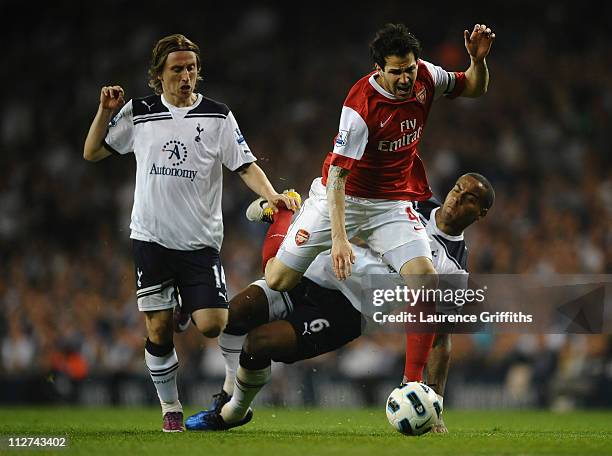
341, 161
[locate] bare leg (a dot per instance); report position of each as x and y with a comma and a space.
248, 310
276, 340
281, 277
210, 322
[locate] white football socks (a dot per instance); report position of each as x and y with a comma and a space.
248, 384
163, 373
230, 346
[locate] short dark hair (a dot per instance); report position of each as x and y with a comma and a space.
163, 47
488, 197
393, 39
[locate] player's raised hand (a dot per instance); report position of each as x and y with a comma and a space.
343, 258
479, 42
112, 97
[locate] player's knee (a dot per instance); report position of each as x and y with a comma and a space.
418, 266
275, 281
211, 329
236, 328
429, 269
247, 311
281, 282
210, 322
419, 272
280, 277
259, 343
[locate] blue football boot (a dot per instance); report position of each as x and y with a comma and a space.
211, 420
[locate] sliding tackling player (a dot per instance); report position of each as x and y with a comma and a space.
322, 314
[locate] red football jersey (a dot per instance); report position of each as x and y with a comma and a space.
379, 134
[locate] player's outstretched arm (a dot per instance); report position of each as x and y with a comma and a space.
254, 177
111, 99
439, 362
342, 253
478, 45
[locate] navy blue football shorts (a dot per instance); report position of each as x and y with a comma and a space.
323, 319
163, 276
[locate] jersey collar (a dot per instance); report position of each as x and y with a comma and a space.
374, 83
434, 225
171, 107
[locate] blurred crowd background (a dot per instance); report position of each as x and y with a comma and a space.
69, 325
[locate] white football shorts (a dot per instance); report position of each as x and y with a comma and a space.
390, 227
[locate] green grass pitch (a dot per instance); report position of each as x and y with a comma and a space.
279, 432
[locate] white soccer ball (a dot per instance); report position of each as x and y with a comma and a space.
413, 409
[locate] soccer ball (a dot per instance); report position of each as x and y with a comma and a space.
413, 408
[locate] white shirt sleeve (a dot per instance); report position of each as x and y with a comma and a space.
352, 135
234, 150
444, 81
120, 134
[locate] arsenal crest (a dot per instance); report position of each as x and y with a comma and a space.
301, 237
421, 95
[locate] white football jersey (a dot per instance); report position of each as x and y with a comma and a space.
179, 153
449, 256
449, 253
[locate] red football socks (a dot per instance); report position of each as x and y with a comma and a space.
418, 347
275, 235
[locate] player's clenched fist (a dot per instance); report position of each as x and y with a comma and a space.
111, 97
